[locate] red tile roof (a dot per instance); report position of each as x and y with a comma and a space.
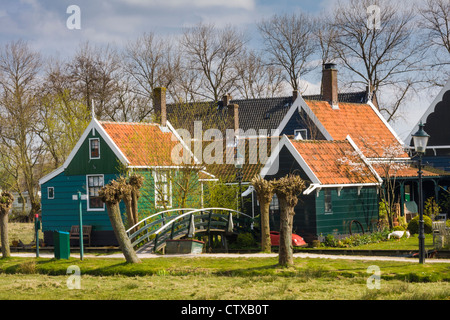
405, 171
359, 121
143, 144
254, 159
334, 162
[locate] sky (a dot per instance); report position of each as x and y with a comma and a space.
44, 25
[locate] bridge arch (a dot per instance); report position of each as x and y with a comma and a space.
151, 233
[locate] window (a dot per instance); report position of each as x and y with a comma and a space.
274, 205
302, 132
94, 148
327, 201
163, 189
95, 183
50, 193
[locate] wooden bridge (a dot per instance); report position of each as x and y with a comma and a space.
150, 234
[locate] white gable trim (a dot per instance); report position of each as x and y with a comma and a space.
183, 143
51, 175
273, 161
315, 120
375, 109
430, 110
298, 105
364, 159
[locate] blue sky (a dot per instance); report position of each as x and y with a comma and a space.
43, 24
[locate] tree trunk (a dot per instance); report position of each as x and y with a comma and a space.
264, 191
286, 254
120, 232
129, 209
287, 190
111, 194
265, 227
4, 234
6, 200
134, 205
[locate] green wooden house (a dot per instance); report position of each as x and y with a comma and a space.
341, 196
105, 151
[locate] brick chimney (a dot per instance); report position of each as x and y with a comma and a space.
329, 84
233, 114
159, 104
226, 100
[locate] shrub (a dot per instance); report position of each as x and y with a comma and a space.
413, 225
330, 241
398, 228
245, 240
431, 207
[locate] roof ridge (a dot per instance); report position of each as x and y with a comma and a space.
129, 123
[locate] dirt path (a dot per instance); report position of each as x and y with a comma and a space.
246, 255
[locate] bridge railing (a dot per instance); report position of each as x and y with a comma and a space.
175, 227
142, 230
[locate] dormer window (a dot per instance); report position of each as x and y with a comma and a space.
301, 134
94, 148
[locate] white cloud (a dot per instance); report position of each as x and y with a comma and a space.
242, 4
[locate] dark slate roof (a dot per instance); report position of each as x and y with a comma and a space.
266, 113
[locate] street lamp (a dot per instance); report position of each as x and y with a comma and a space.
238, 164
420, 139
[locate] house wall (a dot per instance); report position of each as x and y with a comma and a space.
346, 207
81, 164
311, 221
302, 121
61, 212
304, 222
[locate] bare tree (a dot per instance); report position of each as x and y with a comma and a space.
94, 73
436, 21
383, 56
290, 44
152, 62
256, 79
21, 149
211, 52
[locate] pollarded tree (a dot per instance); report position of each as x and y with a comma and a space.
287, 190
111, 194
264, 191
135, 181
6, 200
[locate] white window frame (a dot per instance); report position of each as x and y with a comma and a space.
90, 148
156, 175
48, 192
324, 201
87, 192
297, 131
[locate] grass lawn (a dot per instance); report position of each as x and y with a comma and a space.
411, 243
207, 278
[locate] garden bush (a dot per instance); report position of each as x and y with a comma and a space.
355, 240
413, 225
245, 240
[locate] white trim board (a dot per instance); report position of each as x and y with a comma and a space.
430, 109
